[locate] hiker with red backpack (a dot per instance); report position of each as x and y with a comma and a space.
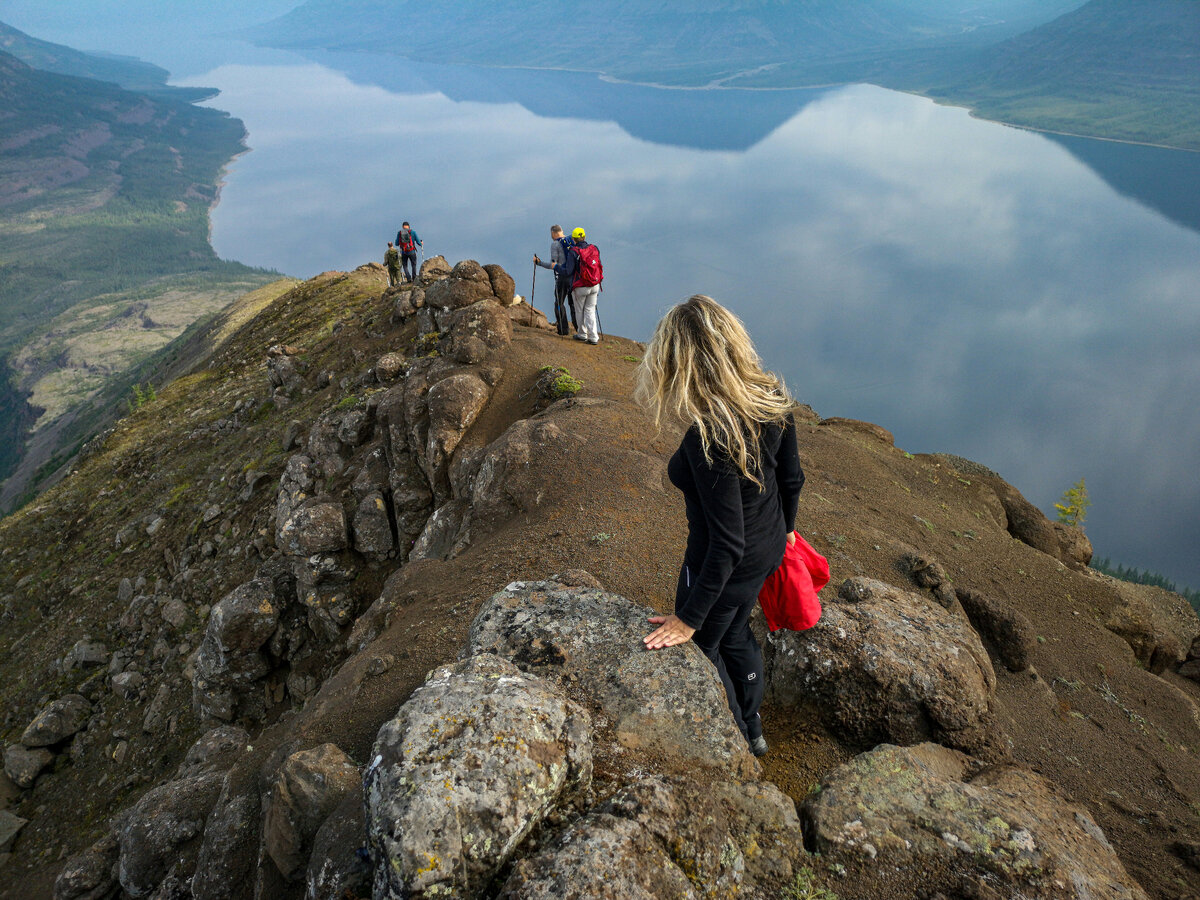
408, 242
586, 274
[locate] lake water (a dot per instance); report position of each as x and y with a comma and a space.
1032, 303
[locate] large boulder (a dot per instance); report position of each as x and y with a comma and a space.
471, 764
230, 660
229, 851
58, 721
468, 283
507, 476
658, 838
373, 536
1029, 525
478, 329
454, 403
23, 765
309, 786
1006, 629
503, 285
931, 814
161, 823
885, 664
433, 268
92, 874
1159, 625
666, 703
318, 525
335, 869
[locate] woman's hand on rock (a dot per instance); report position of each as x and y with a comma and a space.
671, 630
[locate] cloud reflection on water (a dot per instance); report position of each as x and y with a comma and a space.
972, 287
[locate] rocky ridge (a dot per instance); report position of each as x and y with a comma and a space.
256, 708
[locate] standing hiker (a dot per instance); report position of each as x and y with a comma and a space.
739, 471
586, 274
562, 286
391, 259
408, 242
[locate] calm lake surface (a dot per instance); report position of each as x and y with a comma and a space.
1032, 303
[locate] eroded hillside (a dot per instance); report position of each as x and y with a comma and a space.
354, 487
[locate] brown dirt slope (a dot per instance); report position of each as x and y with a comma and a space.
1089, 715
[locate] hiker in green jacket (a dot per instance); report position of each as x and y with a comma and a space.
391, 259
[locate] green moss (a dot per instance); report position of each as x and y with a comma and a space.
805, 886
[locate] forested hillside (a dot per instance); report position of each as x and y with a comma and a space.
104, 200
1111, 68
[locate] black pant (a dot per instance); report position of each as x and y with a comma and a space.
562, 303
726, 639
409, 260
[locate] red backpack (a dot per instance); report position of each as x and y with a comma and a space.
591, 270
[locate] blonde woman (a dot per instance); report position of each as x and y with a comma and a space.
739, 472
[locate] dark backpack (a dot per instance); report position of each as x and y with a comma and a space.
591, 270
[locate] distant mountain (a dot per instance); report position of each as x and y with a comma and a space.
1104, 68
674, 41
126, 71
1111, 68
104, 207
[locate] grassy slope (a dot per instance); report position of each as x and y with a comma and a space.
103, 213
1109, 733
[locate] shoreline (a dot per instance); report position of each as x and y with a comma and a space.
721, 85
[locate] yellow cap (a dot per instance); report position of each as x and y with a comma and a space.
579, 234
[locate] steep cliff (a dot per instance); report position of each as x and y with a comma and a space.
354, 606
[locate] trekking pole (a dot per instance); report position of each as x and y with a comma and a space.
532, 291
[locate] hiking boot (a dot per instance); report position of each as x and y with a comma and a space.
596, 341
758, 746
580, 337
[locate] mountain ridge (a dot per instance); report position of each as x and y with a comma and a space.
1056, 73
379, 467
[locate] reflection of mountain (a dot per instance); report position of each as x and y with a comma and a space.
1167, 181
676, 41
703, 119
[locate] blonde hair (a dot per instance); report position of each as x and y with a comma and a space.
701, 367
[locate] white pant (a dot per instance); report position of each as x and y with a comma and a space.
585, 311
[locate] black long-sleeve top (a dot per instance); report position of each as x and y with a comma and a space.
736, 532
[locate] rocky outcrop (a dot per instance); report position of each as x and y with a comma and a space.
23, 765
477, 757
667, 703
92, 874
889, 665
937, 813
1029, 525
664, 838
1008, 631
309, 786
160, 833
1159, 625
57, 722
231, 660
